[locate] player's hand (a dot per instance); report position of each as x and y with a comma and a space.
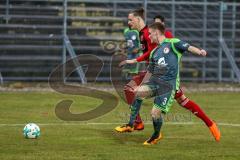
203, 52
132, 61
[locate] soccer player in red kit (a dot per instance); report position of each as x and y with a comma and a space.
179, 96
161, 19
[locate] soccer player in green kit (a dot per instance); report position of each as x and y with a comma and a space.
163, 70
133, 51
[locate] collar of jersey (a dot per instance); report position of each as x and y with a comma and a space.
165, 40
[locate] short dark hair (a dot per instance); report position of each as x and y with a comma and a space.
159, 17
157, 25
138, 12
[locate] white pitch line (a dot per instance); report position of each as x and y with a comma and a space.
92, 123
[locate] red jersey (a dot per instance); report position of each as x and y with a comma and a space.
146, 44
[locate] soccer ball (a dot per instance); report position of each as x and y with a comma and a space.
31, 130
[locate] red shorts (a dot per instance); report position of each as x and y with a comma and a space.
138, 78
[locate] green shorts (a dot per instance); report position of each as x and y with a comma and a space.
164, 92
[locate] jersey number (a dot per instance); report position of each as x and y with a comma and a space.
164, 101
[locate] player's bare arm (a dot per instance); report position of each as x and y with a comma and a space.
130, 61
197, 51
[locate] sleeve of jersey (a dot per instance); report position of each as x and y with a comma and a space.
145, 55
181, 46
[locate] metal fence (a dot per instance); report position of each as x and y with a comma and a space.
32, 34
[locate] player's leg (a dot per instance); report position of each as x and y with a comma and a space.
157, 124
130, 97
140, 92
192, 106
162, 104
196, 110
128, 88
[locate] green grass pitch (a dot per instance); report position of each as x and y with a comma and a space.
96, 139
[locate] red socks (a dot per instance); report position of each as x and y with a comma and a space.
195, 109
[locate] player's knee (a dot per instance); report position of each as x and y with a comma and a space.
140, 93
143, 92
178, 93
181, 99
156, 113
